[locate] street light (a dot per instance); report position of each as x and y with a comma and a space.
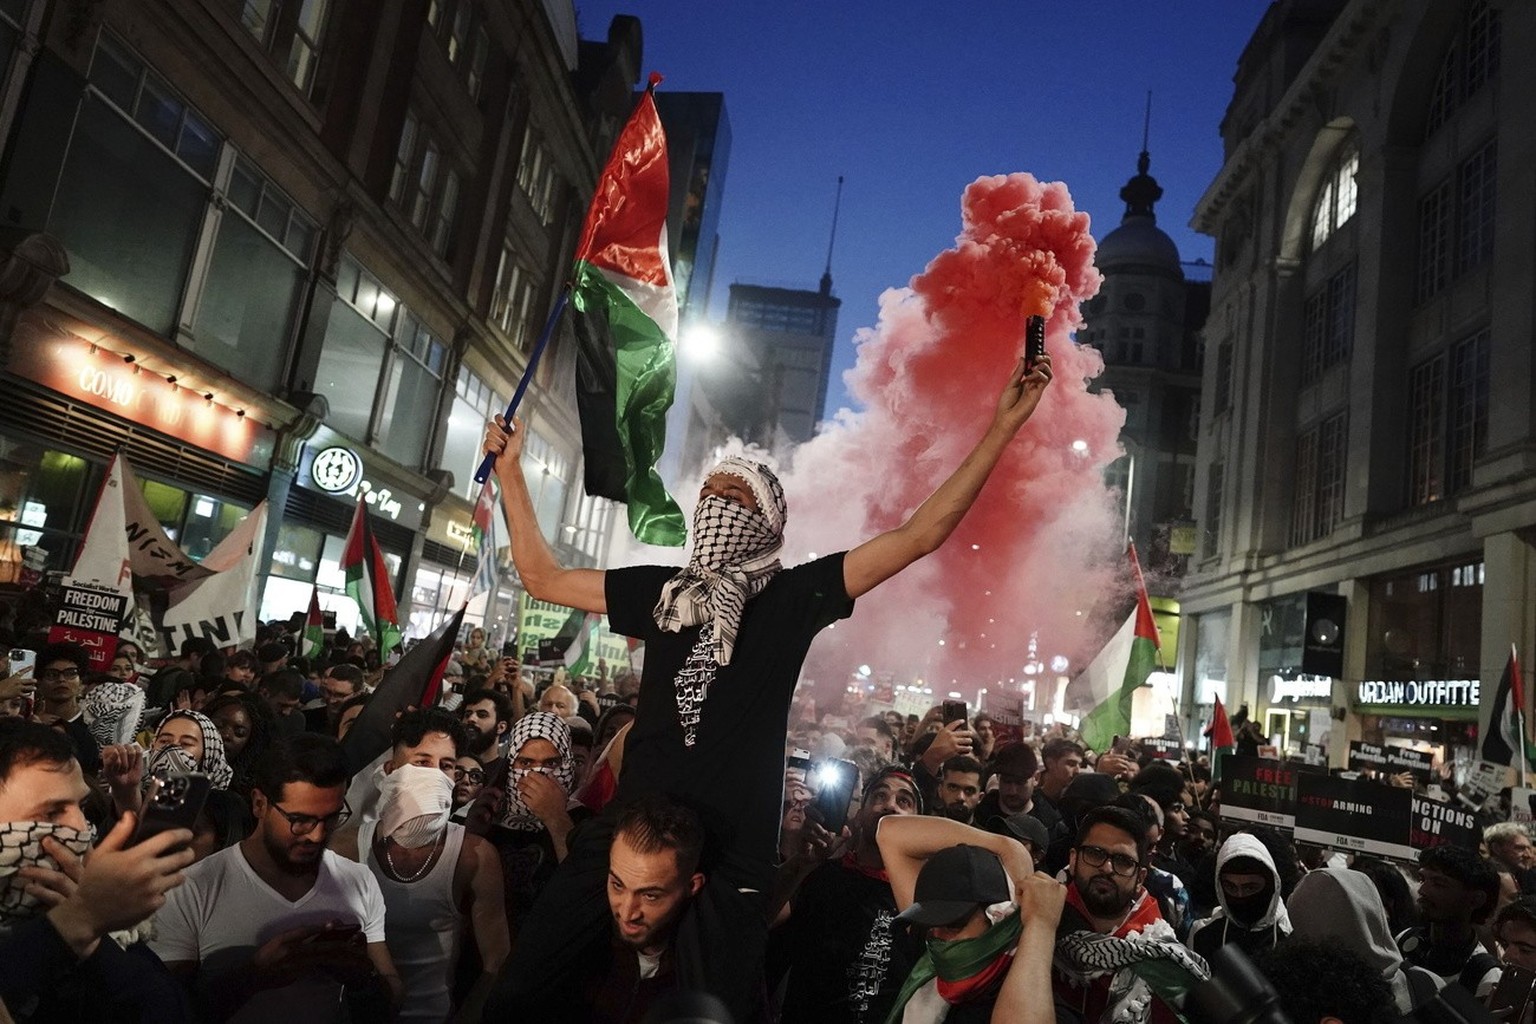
701, 341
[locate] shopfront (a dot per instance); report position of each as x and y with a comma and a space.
332, 477
1296, 705
71, 403
1423, 664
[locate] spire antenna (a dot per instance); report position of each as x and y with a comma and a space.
837, 204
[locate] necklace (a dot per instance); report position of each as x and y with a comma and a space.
426, 865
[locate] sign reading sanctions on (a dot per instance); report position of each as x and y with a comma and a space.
1258, 789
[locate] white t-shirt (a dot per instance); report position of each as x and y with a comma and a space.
224, 905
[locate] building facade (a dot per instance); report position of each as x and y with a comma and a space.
1145, 320
297, 253
789, 334
1368, 429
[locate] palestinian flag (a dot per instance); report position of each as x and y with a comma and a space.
486, 538
1120, 669
312, 641
368, 582
1222, 740
1504, 735
553, 649
581, 655
626, 328
415, 682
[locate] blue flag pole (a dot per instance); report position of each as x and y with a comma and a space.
489, 462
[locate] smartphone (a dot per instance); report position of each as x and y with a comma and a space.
834, 780
171, 803
509, 649
23, 662
344, 934
800, 758
955, 711
1034, 341
1513, 992
1121, 746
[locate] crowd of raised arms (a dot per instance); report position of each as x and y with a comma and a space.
202, 841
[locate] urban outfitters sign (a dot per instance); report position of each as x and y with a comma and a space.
1419, 693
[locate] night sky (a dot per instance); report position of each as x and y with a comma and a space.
910, 102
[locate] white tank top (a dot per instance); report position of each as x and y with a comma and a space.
421, 927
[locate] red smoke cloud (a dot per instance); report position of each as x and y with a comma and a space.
1042, 546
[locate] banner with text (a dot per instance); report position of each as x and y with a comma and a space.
1391, 760
1436, 823
1007, 711
541, 620
1355, 814
1259, 790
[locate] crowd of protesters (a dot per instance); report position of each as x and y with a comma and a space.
205, 842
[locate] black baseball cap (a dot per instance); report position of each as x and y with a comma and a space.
1024, 827
954, 883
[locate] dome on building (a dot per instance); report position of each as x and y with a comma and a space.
1138, 240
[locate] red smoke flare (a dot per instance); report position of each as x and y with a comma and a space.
1041, 548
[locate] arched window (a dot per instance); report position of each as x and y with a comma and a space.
1335, 203
1471, 61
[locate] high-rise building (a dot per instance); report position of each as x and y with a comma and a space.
698, 155
1368, 426
294, 252
788, 334
1146, 321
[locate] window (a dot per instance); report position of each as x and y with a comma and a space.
536, 176
352, 355
405, 155
548, 473
1328, 325
1223, 376
473, 403
1318, 504
459, 27
1436, 209
255, 279
1471, 62
1477, 188
1335, 203
443, 220
425, 186
1215, 481
410, 398
133, 191
289, 30
512, 301
1448, 413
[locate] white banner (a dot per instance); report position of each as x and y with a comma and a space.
222, 606
104, 558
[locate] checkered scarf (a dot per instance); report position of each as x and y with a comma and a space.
21, 845
537, 725
112, 712
174, 760
735, 554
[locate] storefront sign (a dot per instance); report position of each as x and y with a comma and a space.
79, 370
1390, 760
339, 471
459, 533
1258, 789
1303, 687
1436, 823
1354, 814
1422, 693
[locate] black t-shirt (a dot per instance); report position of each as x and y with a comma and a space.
847, 959
733, 775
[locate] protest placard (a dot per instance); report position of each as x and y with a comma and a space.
90, 615
1354, 814
1390, 760
1259, 790
1437, 823
1007, 711
1483, 781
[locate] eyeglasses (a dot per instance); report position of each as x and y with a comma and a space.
1119, 863
53, 675
304, 824
474, 775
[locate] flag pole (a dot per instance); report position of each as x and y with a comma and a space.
1517, 685
484, 472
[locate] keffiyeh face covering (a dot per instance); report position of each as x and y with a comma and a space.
540, 725
735, 555
175, 760
21, 845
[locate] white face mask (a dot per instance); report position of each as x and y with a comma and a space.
414, 804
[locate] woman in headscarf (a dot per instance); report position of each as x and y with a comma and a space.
185, 741
533, 814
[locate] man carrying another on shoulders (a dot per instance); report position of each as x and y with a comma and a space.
725, 638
